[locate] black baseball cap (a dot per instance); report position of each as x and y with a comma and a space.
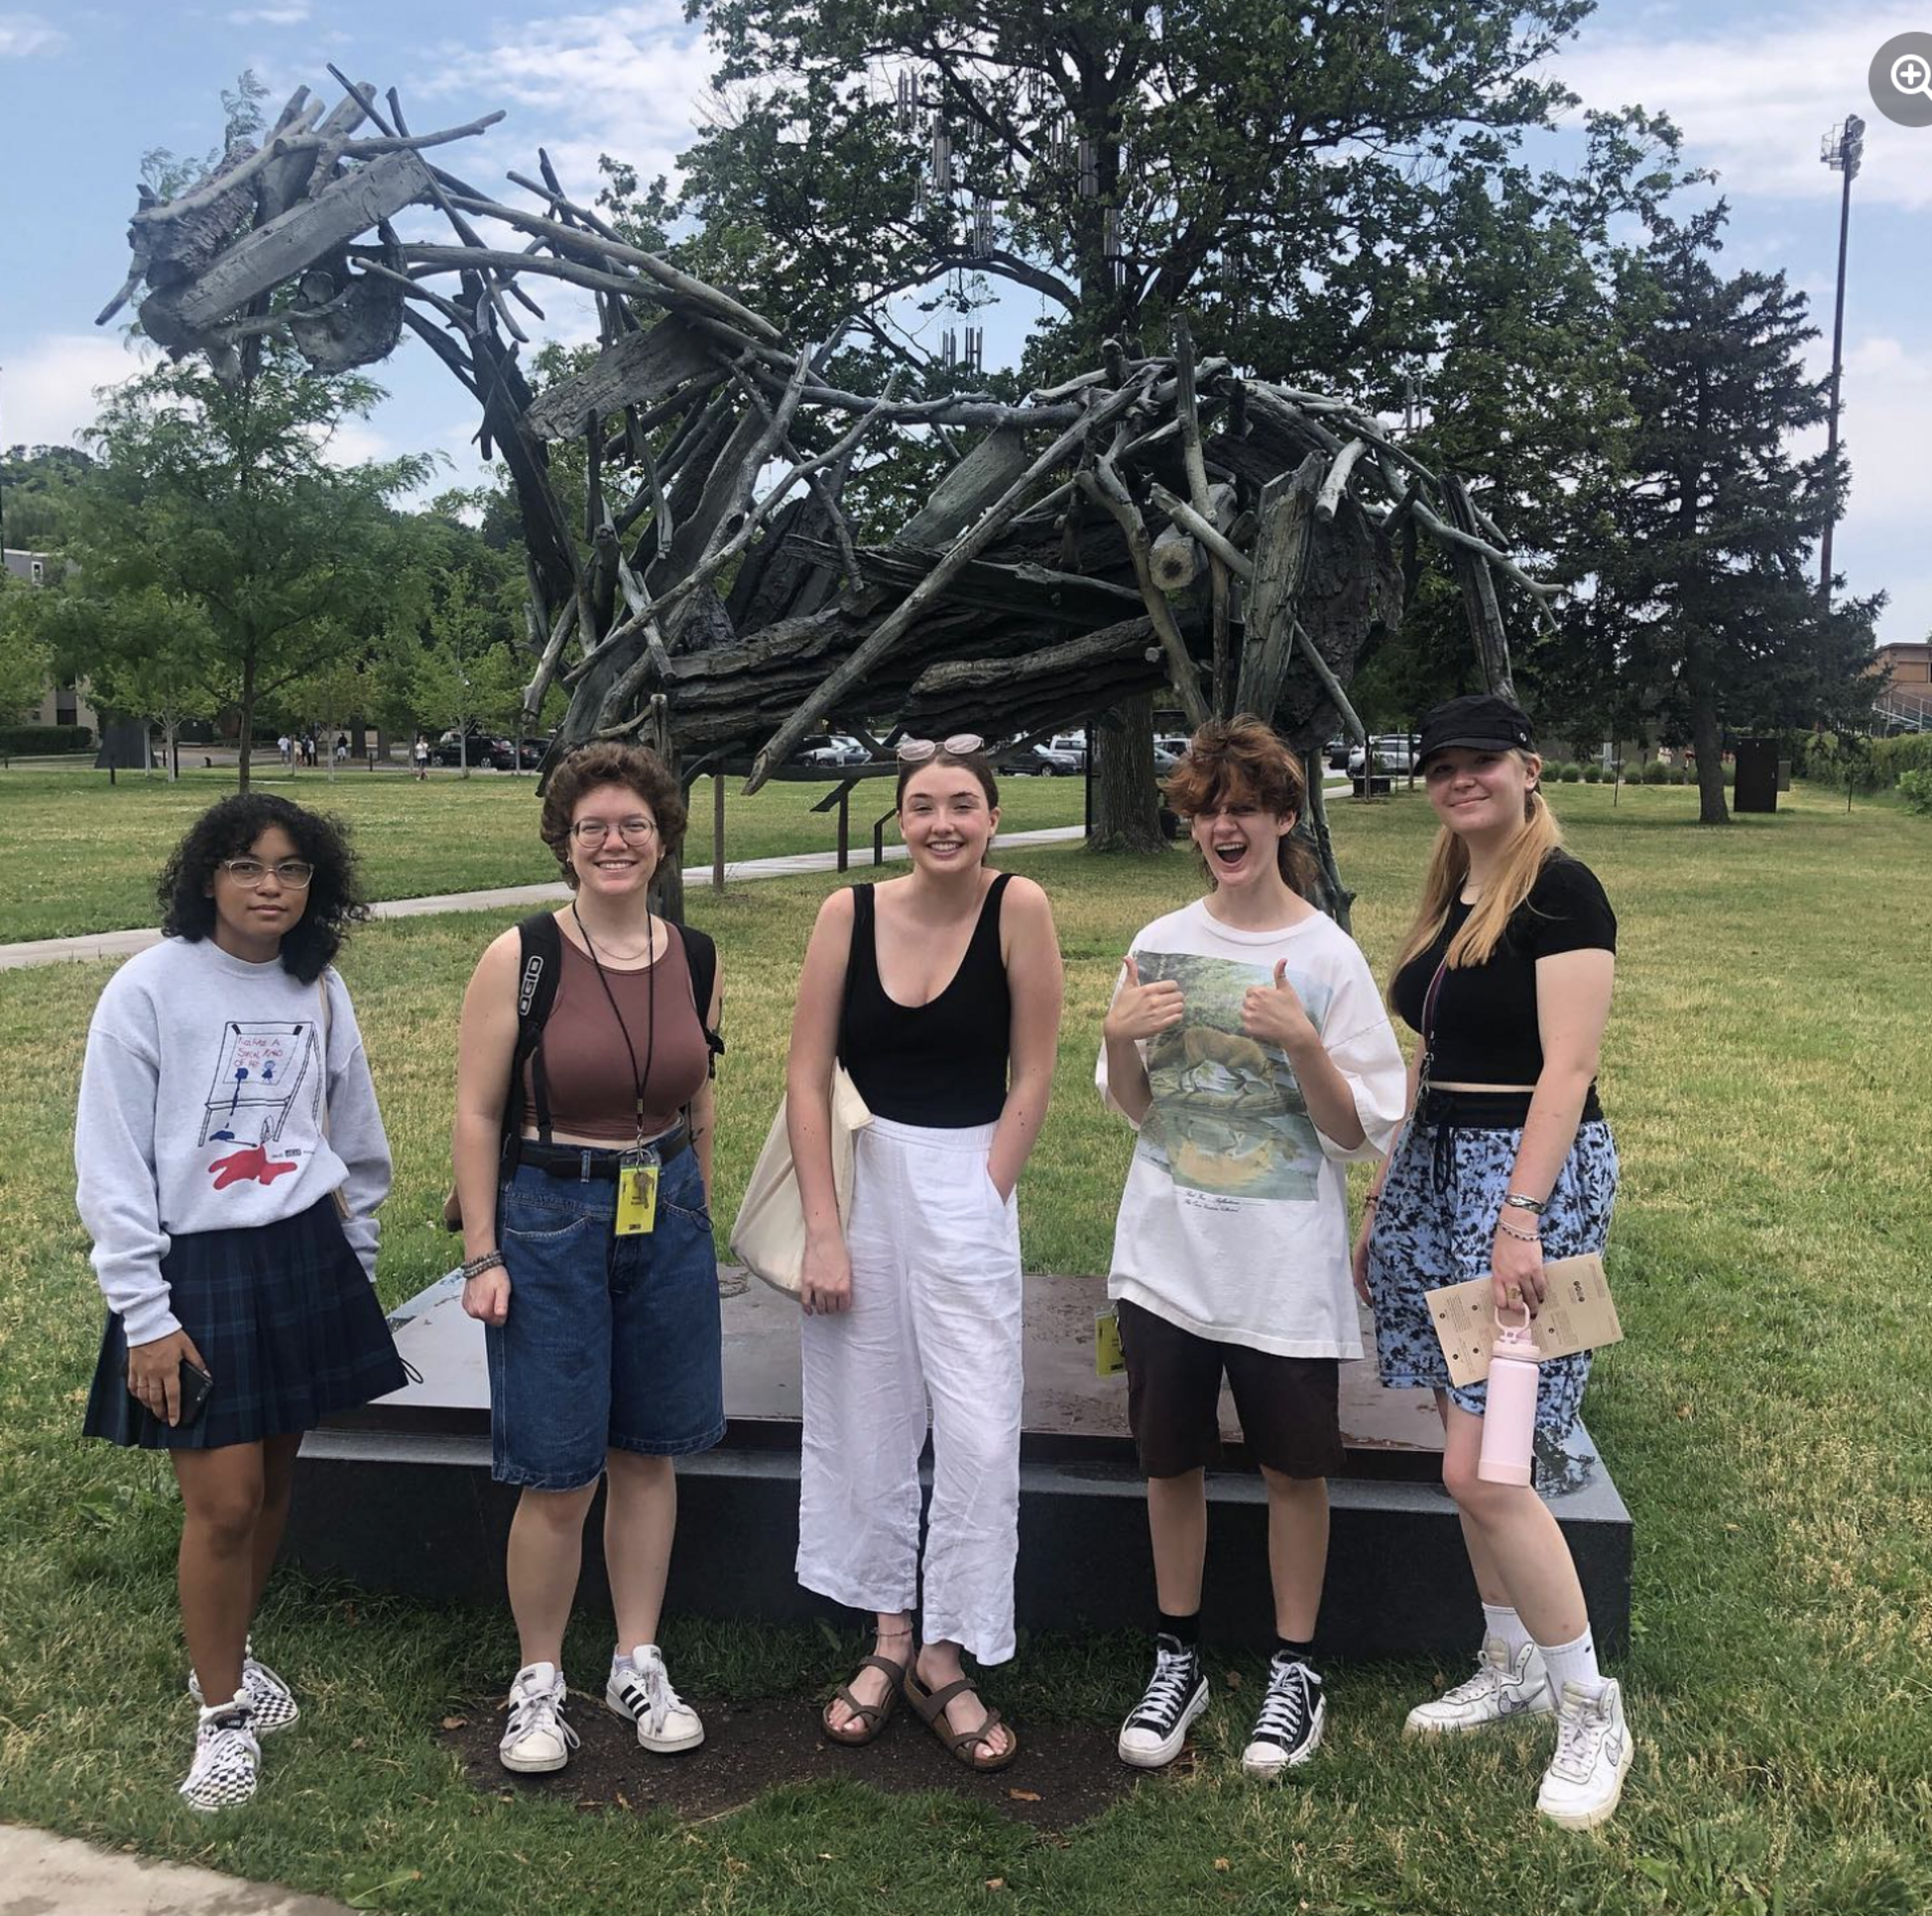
1481, 721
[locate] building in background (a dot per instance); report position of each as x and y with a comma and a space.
62, 704
1906, 703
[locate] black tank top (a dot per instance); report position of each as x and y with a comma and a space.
941, 1064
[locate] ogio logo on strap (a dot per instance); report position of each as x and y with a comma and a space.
527, 990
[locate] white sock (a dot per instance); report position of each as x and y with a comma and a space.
1574, 1663
1500, 1621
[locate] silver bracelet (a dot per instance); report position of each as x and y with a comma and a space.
1515, 1201
1508, 1230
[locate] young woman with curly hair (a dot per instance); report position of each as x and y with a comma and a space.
231, 1159
1506, 1160
1249, 1048
584, 1171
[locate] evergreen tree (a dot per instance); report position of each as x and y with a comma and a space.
1705, 611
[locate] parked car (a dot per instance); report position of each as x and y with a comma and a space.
1336, 751
1395, 753
476, 748
1075, 744
835, 749
1038, 760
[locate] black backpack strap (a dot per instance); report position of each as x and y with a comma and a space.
701, 961
540, 960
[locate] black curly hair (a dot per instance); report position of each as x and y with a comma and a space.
226, 830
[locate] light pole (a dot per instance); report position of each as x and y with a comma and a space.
1843, 149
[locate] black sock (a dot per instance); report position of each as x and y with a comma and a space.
1185, 1631
1303, 1653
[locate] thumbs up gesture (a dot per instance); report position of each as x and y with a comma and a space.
1274, 1015
1143, 1010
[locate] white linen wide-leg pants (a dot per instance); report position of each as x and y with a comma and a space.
935, 1313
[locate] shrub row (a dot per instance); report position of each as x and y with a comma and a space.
34, 740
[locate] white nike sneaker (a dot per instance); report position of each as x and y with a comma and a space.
640, 1692
1585, 1778
536, 1738
1503, 1687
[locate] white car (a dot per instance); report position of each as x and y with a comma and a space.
838, 749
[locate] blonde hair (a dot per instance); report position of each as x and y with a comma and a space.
1511, 884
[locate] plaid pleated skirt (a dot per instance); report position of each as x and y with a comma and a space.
287, 1323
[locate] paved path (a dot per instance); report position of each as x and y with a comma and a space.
697, 878
50, 1875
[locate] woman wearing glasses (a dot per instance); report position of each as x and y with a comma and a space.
231, 1159
583, 1148
940, 994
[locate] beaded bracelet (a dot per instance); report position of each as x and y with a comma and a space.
1508, 1230
476, 1266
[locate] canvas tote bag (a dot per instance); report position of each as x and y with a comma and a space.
768, 1238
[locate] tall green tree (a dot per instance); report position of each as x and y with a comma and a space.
226, 496
1705, 607
24, 654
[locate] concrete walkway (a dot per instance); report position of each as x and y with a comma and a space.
697, 880
50, 1875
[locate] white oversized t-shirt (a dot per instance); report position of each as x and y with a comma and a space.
1233, 1223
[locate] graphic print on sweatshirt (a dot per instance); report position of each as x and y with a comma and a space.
1228, 1117
261, 1070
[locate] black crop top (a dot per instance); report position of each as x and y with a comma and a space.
1485, 1029
943, 1063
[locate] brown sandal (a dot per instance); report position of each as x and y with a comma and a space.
868, 1719
961, 1744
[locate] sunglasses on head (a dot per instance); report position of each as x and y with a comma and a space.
918, 751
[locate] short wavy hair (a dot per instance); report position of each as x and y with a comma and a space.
591, 766
227, 830
1244, 759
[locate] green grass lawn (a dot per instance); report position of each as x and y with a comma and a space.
1768, 1419
80, 855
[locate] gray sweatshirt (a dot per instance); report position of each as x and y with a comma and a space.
201, 1108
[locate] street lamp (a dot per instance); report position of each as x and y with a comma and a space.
1842, 150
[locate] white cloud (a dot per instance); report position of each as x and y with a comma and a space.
1755, 99
23, 35
49, 387
288, 16
630, 82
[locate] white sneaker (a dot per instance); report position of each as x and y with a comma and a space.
1177, 1693
1288, 1729
1503, 1687
227, 1759
1592, 1755
270, 1701
640, 1692
536, 1738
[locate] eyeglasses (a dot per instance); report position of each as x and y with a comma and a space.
918, 751
294, 873
593, 831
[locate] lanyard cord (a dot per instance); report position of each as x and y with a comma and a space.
639, 1077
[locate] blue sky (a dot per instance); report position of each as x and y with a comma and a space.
86, 89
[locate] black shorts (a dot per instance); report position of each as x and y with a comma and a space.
1288, 1405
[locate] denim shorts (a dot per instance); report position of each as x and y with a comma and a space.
611, 1343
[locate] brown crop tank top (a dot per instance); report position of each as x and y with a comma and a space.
587, 1068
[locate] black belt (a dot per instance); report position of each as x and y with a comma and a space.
598, 1160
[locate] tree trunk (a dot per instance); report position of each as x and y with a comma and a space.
1707, 736
247, 739
1126, 802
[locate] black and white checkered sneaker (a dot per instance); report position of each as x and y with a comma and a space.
1177, 1693
228, 1760
1288, 1729
269, 1699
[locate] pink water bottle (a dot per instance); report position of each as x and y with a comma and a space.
1509, 1417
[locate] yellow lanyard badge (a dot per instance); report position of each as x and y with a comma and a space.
636, 1197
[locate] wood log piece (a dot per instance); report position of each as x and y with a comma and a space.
1280, 552
265, 258
642, 368
987, 471
1175, 560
